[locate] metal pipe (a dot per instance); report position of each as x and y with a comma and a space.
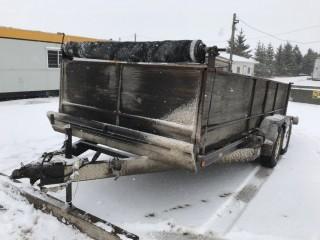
69, 194
143, 165
68, 141
176, 127
215, 126
117, 167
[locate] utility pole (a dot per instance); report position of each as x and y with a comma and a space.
135, 37
234, 22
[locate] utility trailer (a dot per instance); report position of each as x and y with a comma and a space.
158, 116
316, 70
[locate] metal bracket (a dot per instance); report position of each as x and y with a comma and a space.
216, 155
213, 52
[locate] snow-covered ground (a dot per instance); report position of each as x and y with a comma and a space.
19, 220
24, 135
287, 206
221, 201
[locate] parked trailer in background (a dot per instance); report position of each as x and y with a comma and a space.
155, 117
305, 94
316, 70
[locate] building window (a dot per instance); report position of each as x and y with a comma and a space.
249, 71
238, 69
54, 58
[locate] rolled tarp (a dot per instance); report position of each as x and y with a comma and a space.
192, 51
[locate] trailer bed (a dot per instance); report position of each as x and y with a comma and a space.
178, 114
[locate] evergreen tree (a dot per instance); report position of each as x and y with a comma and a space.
265, 57
279, 70
288, 60
308, 62
240, 46
270, 60
260, 56
297, 59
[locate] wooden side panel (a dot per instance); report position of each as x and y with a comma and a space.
270, 96
156, 92
230, 101
158, 99
164, 99
238, 105
159, 93
90, 90
223, 135
231, 98
259, 97
281, 96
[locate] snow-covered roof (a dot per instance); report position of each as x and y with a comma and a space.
237, 58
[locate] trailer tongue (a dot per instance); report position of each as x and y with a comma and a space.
150, 117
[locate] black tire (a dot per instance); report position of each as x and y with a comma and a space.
272, 160
286, 139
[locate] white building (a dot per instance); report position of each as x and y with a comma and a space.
316, 70
240, 65
29, 62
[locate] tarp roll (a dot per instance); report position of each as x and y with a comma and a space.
158, 51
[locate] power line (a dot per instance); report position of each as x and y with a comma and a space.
292, 31
260, 31
276, 37
299, 30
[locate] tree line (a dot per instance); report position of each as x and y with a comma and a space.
285, 60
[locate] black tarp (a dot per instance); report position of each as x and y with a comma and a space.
158, 51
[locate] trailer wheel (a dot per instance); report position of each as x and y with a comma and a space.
272, 160
286, 139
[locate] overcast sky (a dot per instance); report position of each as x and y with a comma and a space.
169, 19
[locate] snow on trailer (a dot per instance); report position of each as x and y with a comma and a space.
131, 112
